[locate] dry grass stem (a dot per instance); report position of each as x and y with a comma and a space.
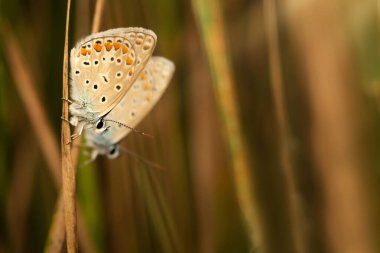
205, 143
296, 214
210, 21
68, 171
336, 151
37, 115
56, 236
58, 225
20, 194
97, 16
45, 137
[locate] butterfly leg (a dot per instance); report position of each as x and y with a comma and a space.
62, 118
79, 130
67, 100
94, 154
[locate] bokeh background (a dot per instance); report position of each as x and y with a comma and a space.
268, 134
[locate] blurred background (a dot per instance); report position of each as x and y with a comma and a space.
268, 134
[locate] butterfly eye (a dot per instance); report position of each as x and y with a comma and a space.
113, 152
100, 124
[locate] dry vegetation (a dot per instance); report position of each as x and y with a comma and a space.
268, 134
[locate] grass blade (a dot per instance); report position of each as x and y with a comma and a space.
296, 214
210, 22
68, 171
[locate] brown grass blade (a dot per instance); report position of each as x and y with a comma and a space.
68, 171
37, 115
320, 39
205, 143
20, 193
56, 234
56, 237
97, 16
296, 214
25, 85
210, 21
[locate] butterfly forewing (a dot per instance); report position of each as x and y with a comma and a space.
138, 101
104, 66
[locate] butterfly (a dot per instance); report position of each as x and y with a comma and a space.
103, 68
136, 104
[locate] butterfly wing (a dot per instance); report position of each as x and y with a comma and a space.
141, 98
104, 66
136, 104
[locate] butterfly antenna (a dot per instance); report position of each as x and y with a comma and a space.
142, 159
133, 129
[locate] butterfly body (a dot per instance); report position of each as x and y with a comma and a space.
101, 144
103, 68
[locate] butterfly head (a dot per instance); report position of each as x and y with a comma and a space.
113, 151
100, 126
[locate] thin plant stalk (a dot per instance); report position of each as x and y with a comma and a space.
41, 127
19, 198
210, 22
319, 34
56, 233
296, 214
204, 143
56, 237
68, 171
37, 116
155, 211
99, 7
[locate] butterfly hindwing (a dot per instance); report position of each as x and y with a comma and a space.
136, 104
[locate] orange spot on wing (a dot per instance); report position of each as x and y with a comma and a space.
146, 86
97, 47
83, 51
108, 46
125, 49
129, 61
148, 98
116, 45
143, 76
